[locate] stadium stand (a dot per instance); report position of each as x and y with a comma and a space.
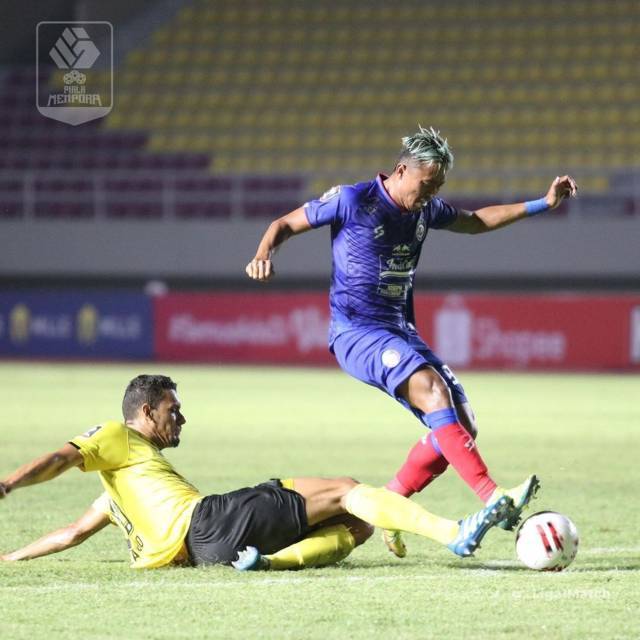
301, 94
322, 87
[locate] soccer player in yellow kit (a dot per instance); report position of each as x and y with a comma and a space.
278, 525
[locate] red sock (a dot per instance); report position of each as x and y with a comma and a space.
459, 448
423, 465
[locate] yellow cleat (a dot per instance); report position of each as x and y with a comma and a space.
394, 542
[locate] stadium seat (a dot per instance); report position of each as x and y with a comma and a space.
294, 88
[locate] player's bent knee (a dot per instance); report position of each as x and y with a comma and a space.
361, 531
346, 483
428, 391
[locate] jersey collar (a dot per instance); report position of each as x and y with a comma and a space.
385, 194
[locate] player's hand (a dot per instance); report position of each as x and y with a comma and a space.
260, 270
4, 490
562, 187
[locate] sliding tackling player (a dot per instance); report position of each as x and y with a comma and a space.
287, 524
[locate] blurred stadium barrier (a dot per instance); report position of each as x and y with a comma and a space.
525, 332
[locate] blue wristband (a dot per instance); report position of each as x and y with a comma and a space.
534, 207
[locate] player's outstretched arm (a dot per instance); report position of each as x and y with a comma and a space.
72, 535
47, 467
261, 267
498, 216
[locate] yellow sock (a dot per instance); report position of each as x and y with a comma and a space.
287, 483
322, 547
388, 510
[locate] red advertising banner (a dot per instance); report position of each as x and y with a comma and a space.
560, 331
277, 328
543, 332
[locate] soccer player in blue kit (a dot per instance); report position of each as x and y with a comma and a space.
378, 228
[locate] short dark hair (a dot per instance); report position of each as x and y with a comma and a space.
145, 389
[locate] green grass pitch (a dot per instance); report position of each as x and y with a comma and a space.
580, 433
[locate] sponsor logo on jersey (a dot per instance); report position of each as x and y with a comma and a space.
399, 266
401, 250
378, 232
370, 205
91, 432
330, 194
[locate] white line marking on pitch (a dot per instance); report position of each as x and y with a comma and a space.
601, 551
136, 584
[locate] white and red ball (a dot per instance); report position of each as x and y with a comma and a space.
547, 541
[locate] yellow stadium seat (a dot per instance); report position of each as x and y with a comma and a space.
517, 84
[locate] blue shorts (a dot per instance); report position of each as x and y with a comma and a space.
386, 357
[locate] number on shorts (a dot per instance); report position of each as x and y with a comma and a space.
450, 375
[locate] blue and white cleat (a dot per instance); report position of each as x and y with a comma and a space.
474, 527
249, 559
521, 496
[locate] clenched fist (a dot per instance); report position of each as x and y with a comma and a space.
260, 270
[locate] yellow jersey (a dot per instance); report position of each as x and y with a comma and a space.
148, 499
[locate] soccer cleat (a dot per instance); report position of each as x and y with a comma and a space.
521, 496
249, 559
394, 542
474, 527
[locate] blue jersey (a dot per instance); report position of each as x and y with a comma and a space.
376, 246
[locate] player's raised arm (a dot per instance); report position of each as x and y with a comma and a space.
498, 216
261, 267
41, 469
92, 521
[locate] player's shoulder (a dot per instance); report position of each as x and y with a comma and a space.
109, 428
437, 203
355, 194
441, 211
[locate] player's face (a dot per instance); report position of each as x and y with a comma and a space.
419, 183
168, 420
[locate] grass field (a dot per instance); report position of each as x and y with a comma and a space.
579, 433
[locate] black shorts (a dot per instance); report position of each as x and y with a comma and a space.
266, 516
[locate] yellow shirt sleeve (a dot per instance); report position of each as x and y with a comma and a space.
104, 447
101, 504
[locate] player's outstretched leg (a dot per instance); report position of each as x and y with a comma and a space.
388, 510
423, 465
521, 496
325, 546
430, 397
474, 527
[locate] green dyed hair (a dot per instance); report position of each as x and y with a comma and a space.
427, 146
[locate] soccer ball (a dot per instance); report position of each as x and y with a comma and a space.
547, 541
